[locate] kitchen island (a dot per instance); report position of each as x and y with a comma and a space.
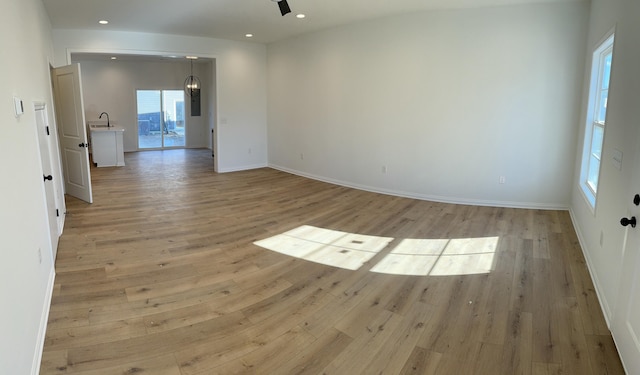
107, 145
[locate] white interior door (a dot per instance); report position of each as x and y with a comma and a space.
625, 325
67, 88
49, 177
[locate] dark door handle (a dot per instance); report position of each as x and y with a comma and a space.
49, 177
632, 221
83, 145
636, 200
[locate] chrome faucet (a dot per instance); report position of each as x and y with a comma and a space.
105, 113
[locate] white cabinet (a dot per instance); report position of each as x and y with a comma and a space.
107, 146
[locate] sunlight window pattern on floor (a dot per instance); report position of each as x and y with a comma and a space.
419, 257
326, 246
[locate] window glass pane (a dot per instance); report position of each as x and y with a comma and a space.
173, 102
606, 74
149, 122
594, 169
601, 112
595, 157
596, 141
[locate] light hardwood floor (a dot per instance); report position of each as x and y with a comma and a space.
160, 275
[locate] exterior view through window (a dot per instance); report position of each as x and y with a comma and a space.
161, 119
596, 120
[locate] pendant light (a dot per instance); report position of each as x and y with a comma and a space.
192, 83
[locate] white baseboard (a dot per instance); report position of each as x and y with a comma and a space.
604, 306
427, 197
242, 168
37, 356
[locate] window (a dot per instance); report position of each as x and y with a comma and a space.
596, 120
161, 119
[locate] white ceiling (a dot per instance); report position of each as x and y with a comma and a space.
232, 19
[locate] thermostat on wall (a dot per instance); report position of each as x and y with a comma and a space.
18, 106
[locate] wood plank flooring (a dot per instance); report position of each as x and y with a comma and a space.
160, 275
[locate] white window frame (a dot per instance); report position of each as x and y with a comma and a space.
591, 152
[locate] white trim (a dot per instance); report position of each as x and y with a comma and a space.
37, 355
604, 38
591, 208
604, 306
427, 197
116, 51
243, 168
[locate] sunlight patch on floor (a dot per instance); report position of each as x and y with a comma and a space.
440, 257
326, 246
417, 257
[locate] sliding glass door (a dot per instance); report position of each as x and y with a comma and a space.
161, 119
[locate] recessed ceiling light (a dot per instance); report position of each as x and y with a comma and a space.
192, 57
249, 35
113, 58
103, 22
300, 15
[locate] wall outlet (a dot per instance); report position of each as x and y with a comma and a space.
601, 238
301, 156
249, 150
40, 255
502, 180
384, 169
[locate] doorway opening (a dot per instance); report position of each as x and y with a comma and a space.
161, 119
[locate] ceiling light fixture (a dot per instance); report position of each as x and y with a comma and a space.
103, 22
300, 15
249, 35
113, 58
192, 83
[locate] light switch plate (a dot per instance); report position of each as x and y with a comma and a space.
617, 158
18, 106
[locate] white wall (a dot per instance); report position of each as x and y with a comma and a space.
110, 86
615, 193
240, 79
448, 101
25, 280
